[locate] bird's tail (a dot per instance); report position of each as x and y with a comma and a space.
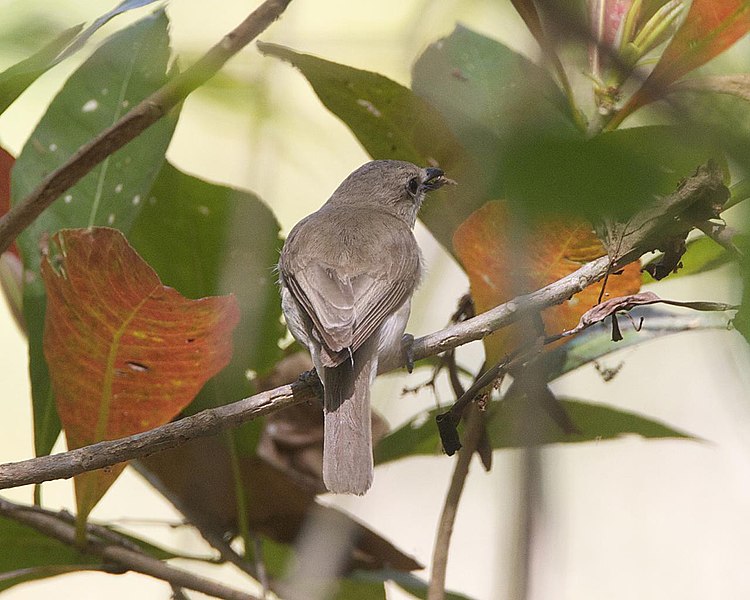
347, 450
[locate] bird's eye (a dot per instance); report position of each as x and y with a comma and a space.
413, 186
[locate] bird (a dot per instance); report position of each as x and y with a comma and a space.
347, 273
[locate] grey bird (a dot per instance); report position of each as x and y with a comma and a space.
347, 274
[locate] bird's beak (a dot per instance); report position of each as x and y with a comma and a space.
434, 179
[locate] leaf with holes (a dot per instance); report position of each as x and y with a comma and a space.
129, 66
501, 267
125, 353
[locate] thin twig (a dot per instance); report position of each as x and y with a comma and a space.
486, 323
260, 565
436, 588
129, 559
208, 422
140, 118
104, 454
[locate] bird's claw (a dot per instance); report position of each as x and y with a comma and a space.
407, 347
312, 380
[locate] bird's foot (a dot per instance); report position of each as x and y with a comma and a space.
407, 347
312, 380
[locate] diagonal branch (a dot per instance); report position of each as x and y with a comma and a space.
140, 118
118, 553
208, 422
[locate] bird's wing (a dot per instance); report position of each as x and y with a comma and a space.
345, 308
376, 299
329, 302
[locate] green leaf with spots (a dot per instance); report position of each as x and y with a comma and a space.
125, 69
490, 95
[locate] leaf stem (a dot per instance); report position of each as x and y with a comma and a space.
473, 432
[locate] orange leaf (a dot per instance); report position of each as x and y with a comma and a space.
125, 353
499, 270
710, 27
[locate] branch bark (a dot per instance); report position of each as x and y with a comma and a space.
132, 560
141, 117
103, 454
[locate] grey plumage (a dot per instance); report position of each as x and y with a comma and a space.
347, 273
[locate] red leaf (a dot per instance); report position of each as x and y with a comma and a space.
11, 269
125, 353
710, 27
498, 269
6, 165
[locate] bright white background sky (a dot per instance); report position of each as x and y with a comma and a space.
622, 520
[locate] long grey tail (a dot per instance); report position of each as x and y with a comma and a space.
347, 449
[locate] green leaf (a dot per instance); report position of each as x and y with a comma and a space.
596, 422
26, 548
81, 40
742, 319
612, 174
206, 239
412, 584
515, 123
15, 79
391, 122
490, 95
417, 437
125, 69
387, 118
31, 555
353, 587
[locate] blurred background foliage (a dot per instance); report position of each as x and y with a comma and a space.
206, 195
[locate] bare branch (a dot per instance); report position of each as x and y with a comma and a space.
208, 422
500, 316
128, 558
104, 454
141, 117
